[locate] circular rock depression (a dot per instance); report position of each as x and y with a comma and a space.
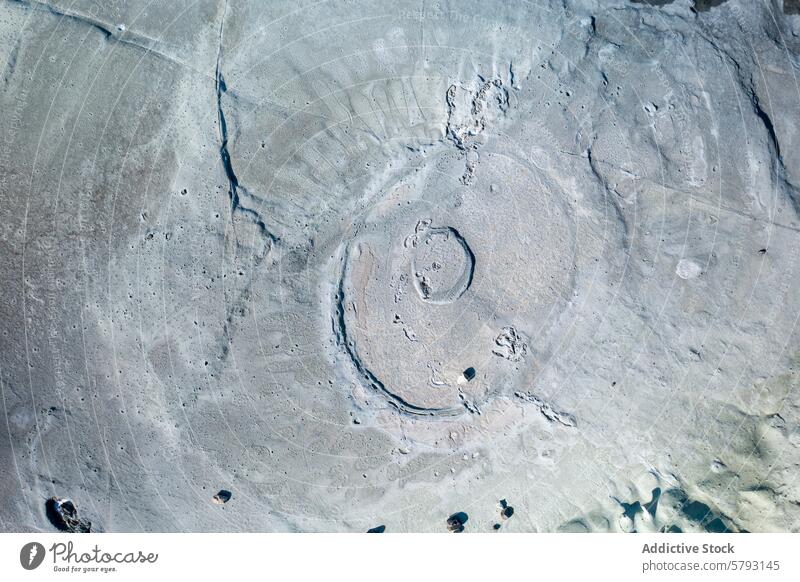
437, 273
442, 265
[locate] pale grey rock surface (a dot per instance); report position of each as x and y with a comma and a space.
356, 263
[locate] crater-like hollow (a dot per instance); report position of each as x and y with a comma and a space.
442, 265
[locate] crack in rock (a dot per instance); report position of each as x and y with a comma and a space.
547, 409
110, 31
268, 240
233, 181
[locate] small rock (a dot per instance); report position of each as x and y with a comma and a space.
506, 510
222, 497
455, 523
63, 514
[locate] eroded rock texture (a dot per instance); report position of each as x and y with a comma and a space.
364, 262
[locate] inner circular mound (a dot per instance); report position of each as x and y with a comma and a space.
442, 265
